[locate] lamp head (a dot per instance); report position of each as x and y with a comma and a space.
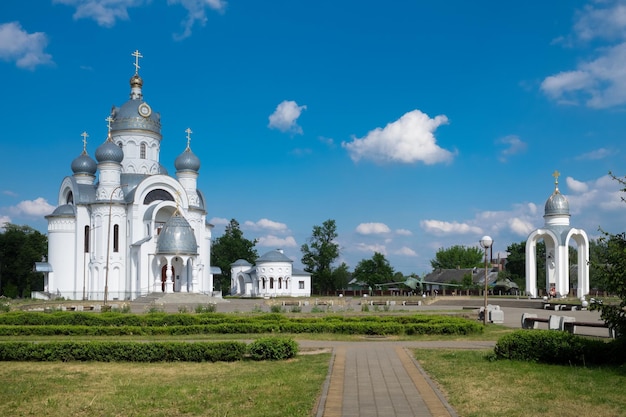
486, 242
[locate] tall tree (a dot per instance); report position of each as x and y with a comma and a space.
227, 249
611, 270
319, 254
20, 248
458, 257
374, 271
516, 264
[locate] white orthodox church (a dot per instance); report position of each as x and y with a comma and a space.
556, 234
272, 276
123, 227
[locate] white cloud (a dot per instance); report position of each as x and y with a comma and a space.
363, 247
38, 207
196, 13
514, 145
26, 49
372, 228
104, 12
596, 154
405, 251
219, 221
266, 224
576, 186
277, 242
599, 80
3, 221
408, 140
521, 227
285, 117
9, 193
404, 232
107, 12
438, 227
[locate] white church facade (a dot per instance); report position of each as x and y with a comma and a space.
557, 234
273, 275
123, 227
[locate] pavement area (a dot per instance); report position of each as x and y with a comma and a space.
380, 378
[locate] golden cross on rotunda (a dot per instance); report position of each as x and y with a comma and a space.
85, 136
189, 132
556, 175
137, 55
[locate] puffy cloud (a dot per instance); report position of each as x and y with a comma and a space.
407, 140
363, 247
404, 232
438, 227
266, 224
576, 186
35, 208
514, 145
285, 117
372, 229
219, 221
405, 251
3, 221
520, 227
277, 242
26, 49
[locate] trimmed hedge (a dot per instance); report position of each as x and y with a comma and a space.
560, 348
117, 324
273, 348
123, 351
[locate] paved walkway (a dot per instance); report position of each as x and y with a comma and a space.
381, 379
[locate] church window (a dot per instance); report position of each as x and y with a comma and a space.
280, 283
70, 198
286, 284
301, 285
116, 238
142, 151
119, 144
271, 283
263, 283
86, 239
157, 195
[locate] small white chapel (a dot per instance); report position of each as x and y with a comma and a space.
556, 234
123, 227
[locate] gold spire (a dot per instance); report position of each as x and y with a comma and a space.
137, 55
189, 132
556, 175
85, 136
109, 120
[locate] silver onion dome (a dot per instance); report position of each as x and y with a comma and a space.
177, 237
109, 152
84, 164
187, 161
556, 205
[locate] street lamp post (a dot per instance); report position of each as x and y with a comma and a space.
486, 243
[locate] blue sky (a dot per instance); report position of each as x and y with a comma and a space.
414, 125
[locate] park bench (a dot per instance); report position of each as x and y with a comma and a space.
564, 323
412, 303
291, 303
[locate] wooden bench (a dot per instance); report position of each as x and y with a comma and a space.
291, 303
529, 321
412, 303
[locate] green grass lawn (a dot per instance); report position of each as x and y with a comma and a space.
253, 389
476, 387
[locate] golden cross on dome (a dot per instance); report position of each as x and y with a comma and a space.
137, 55
189, 132
556, 175
109, 120
85, 136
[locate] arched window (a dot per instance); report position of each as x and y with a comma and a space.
157, 195
70, 198
280, 283
86, 239
271, 283
116, 238
142, 151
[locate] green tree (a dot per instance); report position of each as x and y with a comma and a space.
516, 264
597, 253
319, 254
20, 248
374, 271
341, 276
458, 257
227, 249
611, 270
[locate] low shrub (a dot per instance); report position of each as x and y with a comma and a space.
273, 348
206, 308
560, 348
276, 308
123, 351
